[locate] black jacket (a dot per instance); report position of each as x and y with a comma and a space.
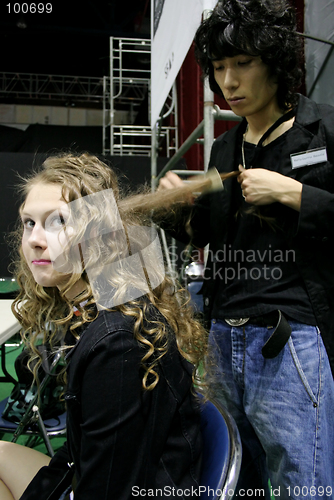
309, 233
118, 435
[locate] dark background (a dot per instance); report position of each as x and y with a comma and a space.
73, 39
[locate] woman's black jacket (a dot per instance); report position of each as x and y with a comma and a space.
121, 438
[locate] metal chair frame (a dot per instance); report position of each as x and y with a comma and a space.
32, 423
222, 452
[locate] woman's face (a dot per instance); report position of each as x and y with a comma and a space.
42, 233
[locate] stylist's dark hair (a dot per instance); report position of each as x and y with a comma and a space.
265, 28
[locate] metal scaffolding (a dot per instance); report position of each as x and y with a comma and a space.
127, 91
29, 87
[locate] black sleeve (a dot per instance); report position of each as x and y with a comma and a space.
317, 204
112, 420
52, 480
316, 214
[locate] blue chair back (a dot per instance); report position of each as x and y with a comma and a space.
196, 298
54, 426
39, 428
221, 453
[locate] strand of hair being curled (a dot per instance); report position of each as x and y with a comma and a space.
47, 315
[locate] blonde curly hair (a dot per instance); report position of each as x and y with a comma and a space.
37, 307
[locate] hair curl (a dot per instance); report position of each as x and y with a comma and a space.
37, 307
265, 28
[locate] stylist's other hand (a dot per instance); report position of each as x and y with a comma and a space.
170, 181
263, 187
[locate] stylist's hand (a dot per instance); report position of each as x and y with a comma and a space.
170, 181
263, 187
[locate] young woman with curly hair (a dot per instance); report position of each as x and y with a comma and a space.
268, 293
92, 284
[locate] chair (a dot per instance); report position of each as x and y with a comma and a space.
35, 428
194, 274
9, 327
32, 423
222, 453
196, 299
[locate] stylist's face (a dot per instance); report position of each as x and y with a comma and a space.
40, 230
247, 85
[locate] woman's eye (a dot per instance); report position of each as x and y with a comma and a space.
219, 68
57, 221
28, 223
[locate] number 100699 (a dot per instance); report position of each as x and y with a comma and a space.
29, 8
305, 492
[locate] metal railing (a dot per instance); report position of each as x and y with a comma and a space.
26, 86
127, 88
193, 138
136, 140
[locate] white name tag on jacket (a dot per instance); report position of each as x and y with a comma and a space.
308, 157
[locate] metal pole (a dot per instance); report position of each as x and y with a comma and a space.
111, 115
208, 123
217, 114
154, 159
183, 149
225, 114
208, 114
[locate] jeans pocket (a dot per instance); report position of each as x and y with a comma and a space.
302, 375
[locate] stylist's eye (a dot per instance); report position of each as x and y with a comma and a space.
245, 63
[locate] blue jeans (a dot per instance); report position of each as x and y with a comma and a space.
284, 408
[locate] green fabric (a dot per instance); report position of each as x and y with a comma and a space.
8, 285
